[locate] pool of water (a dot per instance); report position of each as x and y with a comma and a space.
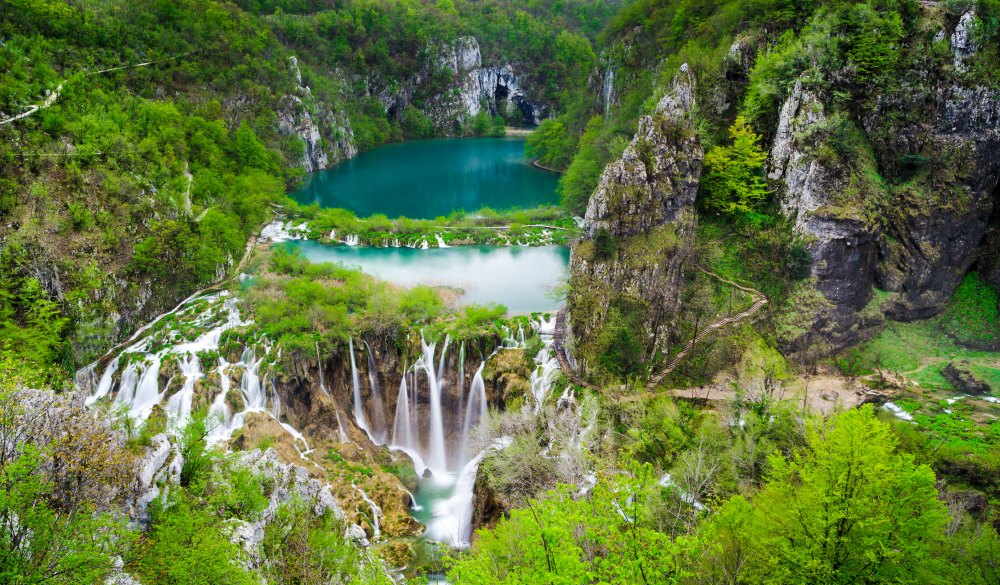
519, 277
425, 179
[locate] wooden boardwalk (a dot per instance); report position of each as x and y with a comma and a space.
759, 300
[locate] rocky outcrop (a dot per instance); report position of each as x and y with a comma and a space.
643, 208
820, 194
963, 43
936, 228
964, 381
326, 135
657, 175
469, 88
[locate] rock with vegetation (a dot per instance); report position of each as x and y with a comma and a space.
825, 194
626, 277
964, 381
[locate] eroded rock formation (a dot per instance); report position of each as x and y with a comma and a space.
645, 202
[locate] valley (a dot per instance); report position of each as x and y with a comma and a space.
681, 292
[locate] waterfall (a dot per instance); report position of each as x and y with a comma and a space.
126, 388
377, 405
84, 378
451, 519
179, 405
104, 386
402, 434
437, 460
376, 511
475, 411
546, 370
219, 410
147, 391
359, 411
440, 242
459, 391
254, 398
319, 366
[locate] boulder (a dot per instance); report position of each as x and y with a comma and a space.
964, 381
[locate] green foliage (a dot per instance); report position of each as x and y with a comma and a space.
416, 124
302, 548
193, 448
597, 145
620, 343
552, 144
605, 245
733, 180
874, 37
971, 316
606, 537
847, 509
62, 481
186, 546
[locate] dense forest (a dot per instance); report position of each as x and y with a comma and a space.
784, 219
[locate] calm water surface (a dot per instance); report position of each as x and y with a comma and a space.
521, 278
425, 179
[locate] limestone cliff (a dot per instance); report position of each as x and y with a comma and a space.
896, 196
327, 137
456, 85
825, 196
645, 200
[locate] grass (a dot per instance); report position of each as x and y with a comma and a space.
971, 315
920, 351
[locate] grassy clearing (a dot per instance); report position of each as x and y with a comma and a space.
920, 351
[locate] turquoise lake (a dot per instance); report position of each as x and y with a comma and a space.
518, 277
424, 179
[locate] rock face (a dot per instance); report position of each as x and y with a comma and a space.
963, 44
910, 216
469, 88
817, 194
645, 201
937, 232
326, 135
657, 175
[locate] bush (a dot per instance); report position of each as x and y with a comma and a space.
733, 181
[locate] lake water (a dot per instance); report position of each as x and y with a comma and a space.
519, 277
424, 179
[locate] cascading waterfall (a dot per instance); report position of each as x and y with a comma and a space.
104, 386
375, 510
359, 410
402, 431
437, 460
379, 429
138, 388
475, 412
179, 405
449, 519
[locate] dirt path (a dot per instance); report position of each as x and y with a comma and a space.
538, 165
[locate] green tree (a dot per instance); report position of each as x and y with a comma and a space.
63, 480
303, 548
186, 546
605, 537
733, 182
848, 509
